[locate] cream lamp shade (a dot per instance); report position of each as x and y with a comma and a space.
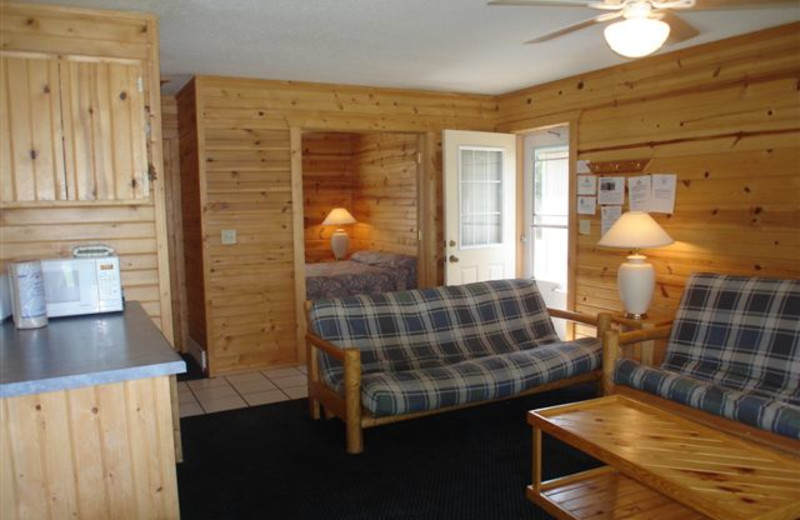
338, 217
636, 278
636, 37
339, 239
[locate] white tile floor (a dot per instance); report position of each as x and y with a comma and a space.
222, 393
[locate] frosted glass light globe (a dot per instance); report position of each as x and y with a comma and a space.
636, 37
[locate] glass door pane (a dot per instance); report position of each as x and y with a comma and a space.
549, 230
481, 193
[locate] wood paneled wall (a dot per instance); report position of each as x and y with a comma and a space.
245, 177
51, 228
53, 232
385, 193
724, 117
328, 181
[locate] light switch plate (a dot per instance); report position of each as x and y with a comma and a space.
584, 226
228, 236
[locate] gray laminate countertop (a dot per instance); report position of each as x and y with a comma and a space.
83, 351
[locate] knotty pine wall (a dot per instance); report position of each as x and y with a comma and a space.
328, 181
248, 135
135, 230
385, 193
725, 117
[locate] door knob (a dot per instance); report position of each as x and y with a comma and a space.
452, 243
453, 259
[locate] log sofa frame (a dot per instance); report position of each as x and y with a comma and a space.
614, 348
349, 409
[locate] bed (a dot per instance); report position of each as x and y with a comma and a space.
365, 272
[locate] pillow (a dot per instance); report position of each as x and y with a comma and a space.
381, 258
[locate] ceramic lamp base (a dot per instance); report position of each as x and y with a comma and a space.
339, 243
636, 280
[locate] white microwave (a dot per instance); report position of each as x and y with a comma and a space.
75, 286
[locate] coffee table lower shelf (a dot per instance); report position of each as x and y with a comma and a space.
605, 493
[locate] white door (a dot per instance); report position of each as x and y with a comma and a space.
479, 206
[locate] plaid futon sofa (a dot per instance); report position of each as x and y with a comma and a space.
733, 351
433, 349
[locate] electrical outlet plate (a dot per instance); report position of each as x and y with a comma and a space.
228, 236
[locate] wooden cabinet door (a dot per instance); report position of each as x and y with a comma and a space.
31, 145
104, 130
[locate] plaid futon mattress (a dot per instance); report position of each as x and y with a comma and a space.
734, 351
474, 380
431, 348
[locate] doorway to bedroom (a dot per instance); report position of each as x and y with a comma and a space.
360, 204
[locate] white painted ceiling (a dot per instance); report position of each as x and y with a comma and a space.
449, 45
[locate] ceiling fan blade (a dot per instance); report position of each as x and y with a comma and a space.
679, 29
575, 27
549, 3
709, 5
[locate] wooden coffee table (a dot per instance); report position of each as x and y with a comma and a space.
659, 466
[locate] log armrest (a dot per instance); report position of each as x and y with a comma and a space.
602, 321
579, 317
325, 345
614, 340
351, 361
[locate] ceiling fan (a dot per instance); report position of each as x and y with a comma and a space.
646, 24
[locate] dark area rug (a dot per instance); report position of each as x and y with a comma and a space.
274, 462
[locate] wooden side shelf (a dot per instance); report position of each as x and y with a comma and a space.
604, 493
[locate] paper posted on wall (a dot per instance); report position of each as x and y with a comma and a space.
663, 192
640, 193
587, 184
587, 205
611, 190
609, 215
583, 167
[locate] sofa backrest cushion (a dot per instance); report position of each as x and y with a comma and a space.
433, 327
739, 332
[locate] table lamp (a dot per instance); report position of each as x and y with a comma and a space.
636, 278
339, 240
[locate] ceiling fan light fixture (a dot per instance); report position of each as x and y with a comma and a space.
636, 37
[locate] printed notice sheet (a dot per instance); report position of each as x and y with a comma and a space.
611, 190
587, 205
609, 215
583, 167
663, 193
587, 184
640, 193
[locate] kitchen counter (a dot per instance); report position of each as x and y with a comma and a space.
89, 415
82, 351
